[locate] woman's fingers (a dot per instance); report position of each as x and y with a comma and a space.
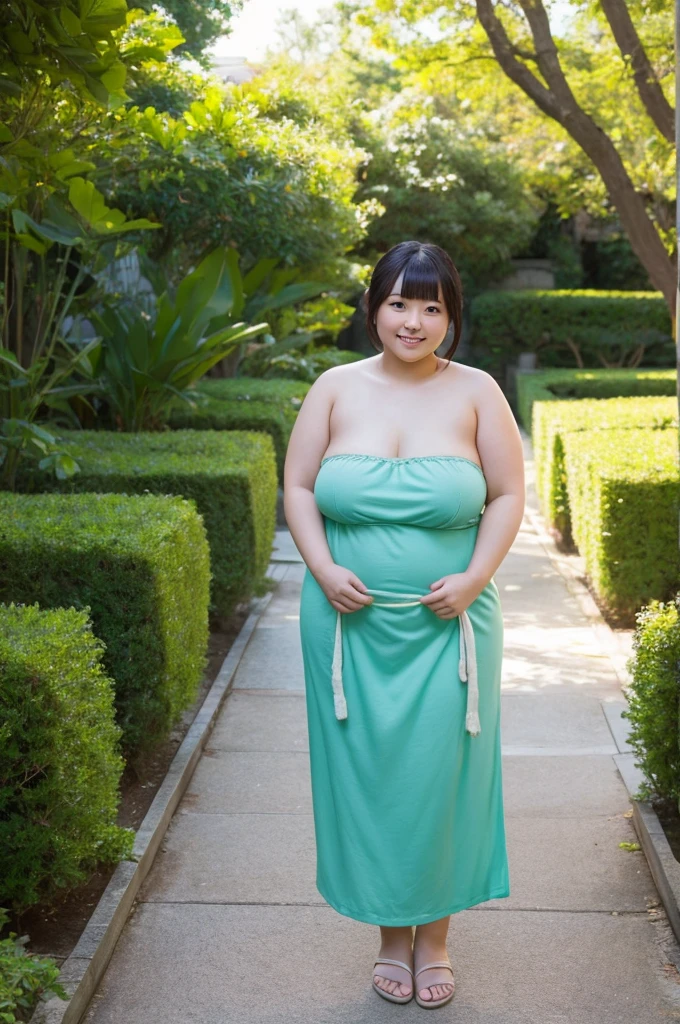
353, 602
359, 595
348, 603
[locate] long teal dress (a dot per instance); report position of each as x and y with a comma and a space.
403, 708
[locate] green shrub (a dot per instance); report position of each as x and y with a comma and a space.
295, 365
246, 403
653, 704
24, 979
59, 759
231, 476
623, 498
549, 385
554, 419
581, 327
141, 565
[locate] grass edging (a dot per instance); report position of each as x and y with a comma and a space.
82, 971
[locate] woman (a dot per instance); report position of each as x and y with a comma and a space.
389, 465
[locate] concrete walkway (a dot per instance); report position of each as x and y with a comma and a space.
229, 926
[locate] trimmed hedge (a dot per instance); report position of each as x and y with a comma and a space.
531, 319
553, 419
231, 476
623, 495
654, 699
59, 762
548, 385
141, 565
245, 403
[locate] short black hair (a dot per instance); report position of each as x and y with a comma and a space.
426, 266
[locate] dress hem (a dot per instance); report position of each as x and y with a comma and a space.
402, 922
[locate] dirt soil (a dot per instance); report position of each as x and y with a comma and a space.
668, 815
54, 931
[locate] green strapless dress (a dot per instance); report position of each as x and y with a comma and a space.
403, 708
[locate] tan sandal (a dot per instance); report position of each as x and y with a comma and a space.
431, 1004
388, 995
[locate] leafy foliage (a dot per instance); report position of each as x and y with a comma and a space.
201, 22
223, 172
24, 979
654, 699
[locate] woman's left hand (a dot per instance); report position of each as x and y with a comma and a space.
452, 594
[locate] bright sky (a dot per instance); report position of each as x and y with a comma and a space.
255, 27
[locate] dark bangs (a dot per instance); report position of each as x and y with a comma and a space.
425, 266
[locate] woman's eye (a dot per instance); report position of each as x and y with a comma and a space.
432, 309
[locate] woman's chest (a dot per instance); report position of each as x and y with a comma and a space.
401, 424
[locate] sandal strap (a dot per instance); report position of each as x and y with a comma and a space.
399, 963
435, 963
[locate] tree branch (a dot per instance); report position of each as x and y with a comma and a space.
505, 55
648, 86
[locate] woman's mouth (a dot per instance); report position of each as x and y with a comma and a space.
408, 340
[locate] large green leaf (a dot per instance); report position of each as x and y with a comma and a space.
92, 207
100, 17
258, 274
286, 296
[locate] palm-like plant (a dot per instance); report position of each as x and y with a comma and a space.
152, 353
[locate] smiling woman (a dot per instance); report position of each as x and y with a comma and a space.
403, 490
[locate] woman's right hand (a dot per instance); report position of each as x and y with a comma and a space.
343, 588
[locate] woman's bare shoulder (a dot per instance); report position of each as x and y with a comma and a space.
472, 374
345, 374
482, 385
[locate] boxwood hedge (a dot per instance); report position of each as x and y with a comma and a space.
554, 320
245, 403
231, 476
548, 385
654, 699
623, 496
60, 764
553, 419
141, 565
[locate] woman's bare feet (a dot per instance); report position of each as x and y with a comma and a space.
430, 944
397, 944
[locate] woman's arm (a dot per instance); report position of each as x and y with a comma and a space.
499, 444
309, 439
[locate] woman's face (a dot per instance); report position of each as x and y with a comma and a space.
411, 328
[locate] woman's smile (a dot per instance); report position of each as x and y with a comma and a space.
408, 340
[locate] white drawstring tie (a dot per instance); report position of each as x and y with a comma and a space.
467, 663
